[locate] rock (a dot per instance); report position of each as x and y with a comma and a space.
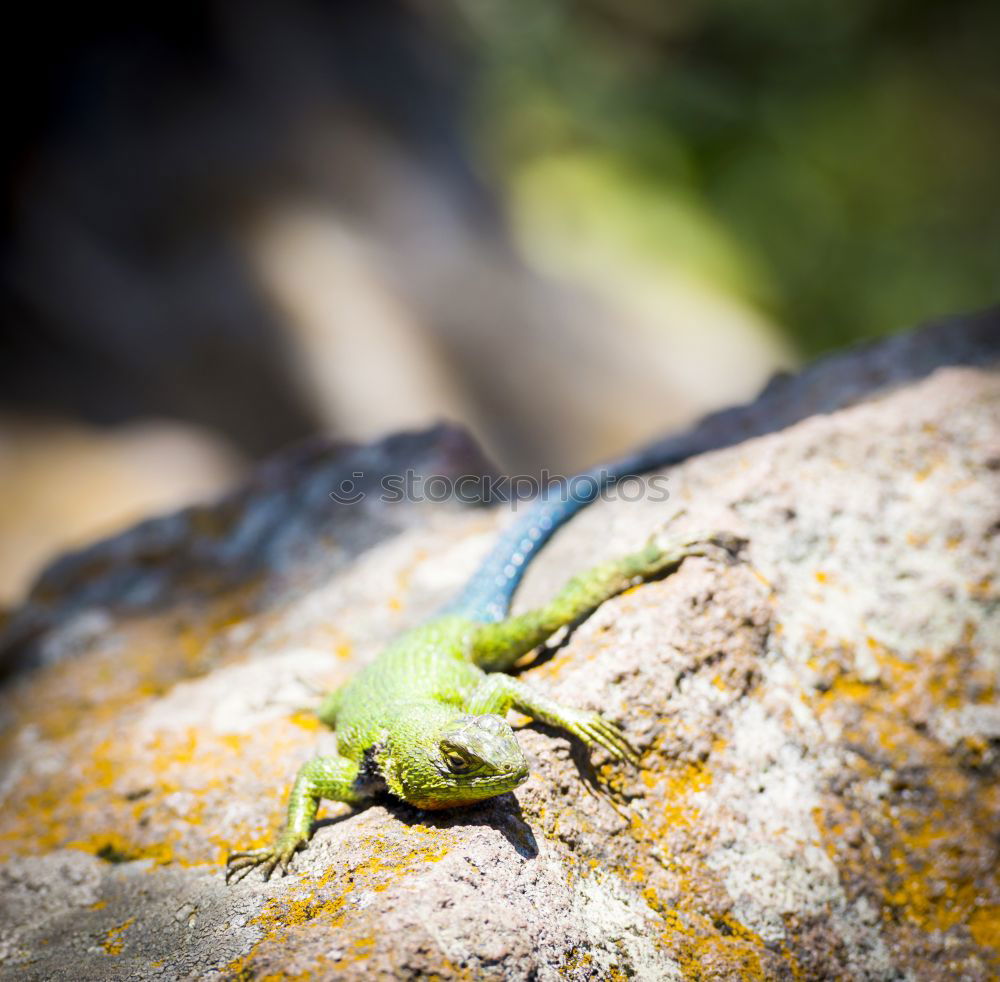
819, 796
302, 515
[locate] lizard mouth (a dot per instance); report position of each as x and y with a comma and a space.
510, 775
470, 789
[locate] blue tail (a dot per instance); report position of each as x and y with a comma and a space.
487, 595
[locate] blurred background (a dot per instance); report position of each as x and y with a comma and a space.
571, 227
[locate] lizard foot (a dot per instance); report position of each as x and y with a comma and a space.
278, 855
595, 731
699, 544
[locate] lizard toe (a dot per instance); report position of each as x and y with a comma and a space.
239, 865
597, 731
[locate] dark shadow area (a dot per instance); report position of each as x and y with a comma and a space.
322, 823
502, 813
580, 755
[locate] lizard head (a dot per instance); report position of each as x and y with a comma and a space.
444, 763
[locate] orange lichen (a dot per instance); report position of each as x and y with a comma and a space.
984, 926
982, 589
704, 946
146, 797
926, 846
327, 898
114, 940
576, 961
697, 942
362, 948
675, 785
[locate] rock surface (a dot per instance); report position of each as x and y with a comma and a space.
819, 796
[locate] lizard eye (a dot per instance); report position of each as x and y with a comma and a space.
458, 763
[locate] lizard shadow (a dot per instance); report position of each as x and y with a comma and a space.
330, 820
547, 651
579, 754
502, 813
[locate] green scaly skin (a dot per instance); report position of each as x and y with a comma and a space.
425, 720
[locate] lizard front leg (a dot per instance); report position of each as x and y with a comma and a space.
322, 777
497, 693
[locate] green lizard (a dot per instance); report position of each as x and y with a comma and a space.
425, 720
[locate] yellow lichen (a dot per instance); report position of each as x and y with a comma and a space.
984, 926
114, 940
120, 801
696, 941
327, 898
306, 720
704, 946
927, 847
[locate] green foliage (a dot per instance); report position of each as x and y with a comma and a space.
848, 149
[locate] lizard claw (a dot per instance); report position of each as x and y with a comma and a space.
276, 856
701, 544
730, 543
595, 731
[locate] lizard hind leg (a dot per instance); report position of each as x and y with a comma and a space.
499, 645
